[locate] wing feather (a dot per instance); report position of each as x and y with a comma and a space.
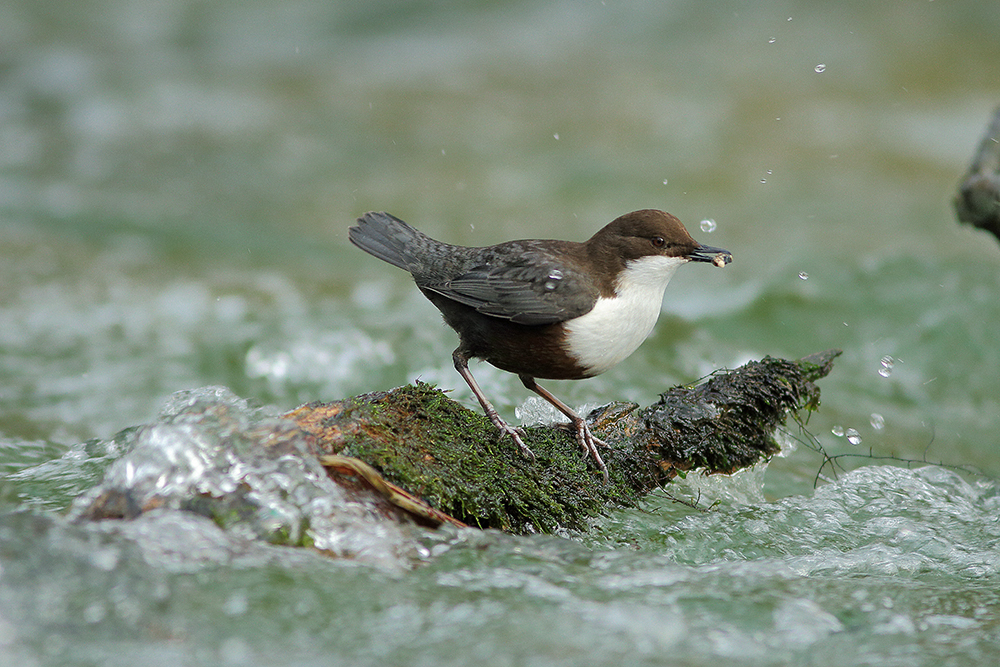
532, 291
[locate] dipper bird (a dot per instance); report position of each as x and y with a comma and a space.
543, 308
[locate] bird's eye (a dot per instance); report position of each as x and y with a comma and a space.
658, 241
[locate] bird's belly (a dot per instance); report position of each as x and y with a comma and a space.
611, 331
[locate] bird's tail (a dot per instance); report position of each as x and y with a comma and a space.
390, 239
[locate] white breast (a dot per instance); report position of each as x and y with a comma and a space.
616, 326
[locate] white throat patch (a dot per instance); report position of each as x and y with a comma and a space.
616, 326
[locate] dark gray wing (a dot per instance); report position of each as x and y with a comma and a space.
533, 290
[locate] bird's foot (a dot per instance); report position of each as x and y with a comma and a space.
589, 443
516, 433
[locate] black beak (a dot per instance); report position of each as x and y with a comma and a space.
717, 256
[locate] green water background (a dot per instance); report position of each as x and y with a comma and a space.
177, 178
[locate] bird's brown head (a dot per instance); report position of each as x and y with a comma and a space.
650, 232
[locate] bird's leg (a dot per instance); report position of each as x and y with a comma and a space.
588, 441
462, 366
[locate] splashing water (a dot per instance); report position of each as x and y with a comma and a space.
251, 473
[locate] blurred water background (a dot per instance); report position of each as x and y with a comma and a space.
176, 182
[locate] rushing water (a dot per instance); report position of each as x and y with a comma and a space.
176, 180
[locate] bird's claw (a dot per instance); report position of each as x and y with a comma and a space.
516, 433
589, 443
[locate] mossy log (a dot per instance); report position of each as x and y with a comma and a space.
417, 445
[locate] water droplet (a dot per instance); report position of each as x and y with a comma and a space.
877, 421
853, 436
820, 68
556, 136
838, 430
664, 181
803, 275
553, 281
708, 225
887, 364
769, 172
772, 40
763, 180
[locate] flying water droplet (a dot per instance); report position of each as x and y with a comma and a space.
772, 40
820, 68
556, 136
803, 275
853, 436
664, 181
837, 430
553, 281
877, 421
887, 364
708, 225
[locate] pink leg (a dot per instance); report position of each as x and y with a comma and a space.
462, 366
588, 441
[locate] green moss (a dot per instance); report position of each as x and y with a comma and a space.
458, 462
